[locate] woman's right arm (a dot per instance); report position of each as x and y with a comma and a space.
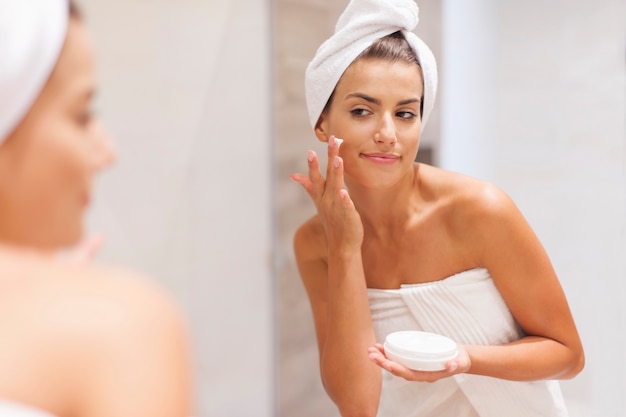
328, 252
338, 298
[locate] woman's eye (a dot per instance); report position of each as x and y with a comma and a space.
405, 114
359, 112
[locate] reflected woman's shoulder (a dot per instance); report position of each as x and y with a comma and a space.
87, 336
94, 304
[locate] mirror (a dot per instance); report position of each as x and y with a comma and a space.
531, 98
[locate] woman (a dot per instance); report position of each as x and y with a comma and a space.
76, 340
412, 247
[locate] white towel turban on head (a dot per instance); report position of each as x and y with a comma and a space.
363, 22
32, 33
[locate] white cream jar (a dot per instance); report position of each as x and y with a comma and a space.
420, 351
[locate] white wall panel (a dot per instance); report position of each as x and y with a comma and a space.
185, 92
557, 145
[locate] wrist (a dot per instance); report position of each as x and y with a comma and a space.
343, 251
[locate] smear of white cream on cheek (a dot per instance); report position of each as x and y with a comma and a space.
339, 142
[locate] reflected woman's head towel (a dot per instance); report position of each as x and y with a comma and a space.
362, 23
32, 33
51, 146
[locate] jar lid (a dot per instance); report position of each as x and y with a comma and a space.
420, 345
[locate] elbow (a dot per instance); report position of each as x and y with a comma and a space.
355, 393
577, 364
358, 411
350, 404
363, 406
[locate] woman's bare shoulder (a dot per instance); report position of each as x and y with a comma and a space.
464, 194
110, 288
85, 306
310, 240
92, 320
473, 211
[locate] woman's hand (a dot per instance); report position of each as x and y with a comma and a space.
337, 212
458, 365
84, 253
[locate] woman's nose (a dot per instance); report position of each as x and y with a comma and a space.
386, 132
106, 152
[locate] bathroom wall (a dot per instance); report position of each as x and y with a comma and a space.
540, 111
185, 92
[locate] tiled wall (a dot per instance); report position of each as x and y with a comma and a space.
299, 28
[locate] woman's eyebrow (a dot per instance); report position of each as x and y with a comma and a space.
377, 101
364, 97
409, 101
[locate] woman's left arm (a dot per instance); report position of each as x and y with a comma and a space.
524, 275
504, 243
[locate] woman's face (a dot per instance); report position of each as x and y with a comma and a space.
376, 111
47, 164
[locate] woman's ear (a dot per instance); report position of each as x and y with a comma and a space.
321, 128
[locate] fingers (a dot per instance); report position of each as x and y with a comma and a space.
452, 366
315, 175
305, 182
85, 252
314, 183
334, 169
376, 355
334, 182
333, 153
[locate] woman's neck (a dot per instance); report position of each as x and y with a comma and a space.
385, 210
11, 249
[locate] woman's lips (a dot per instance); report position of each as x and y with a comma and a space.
381, 158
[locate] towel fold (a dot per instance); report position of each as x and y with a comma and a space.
363, 22
32, 33
13, 409
467, 308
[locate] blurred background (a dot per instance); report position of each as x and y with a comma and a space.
205, 101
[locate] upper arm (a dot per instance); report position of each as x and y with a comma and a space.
522, 270
314, 274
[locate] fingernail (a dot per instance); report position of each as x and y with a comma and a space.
336, 162
310, 155
453, 366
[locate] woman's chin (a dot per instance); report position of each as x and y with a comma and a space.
61, 241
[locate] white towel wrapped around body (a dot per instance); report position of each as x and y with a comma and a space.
13, 409
32, 33
467, 308
362, 23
